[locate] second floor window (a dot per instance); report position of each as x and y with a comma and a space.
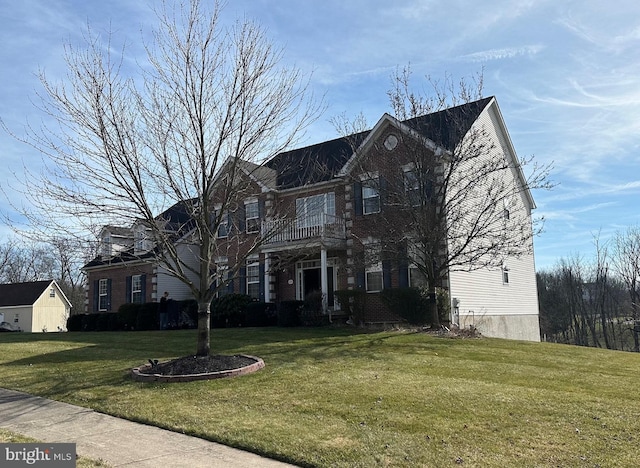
370, 197
412, 187
106, 246
316, 209
252, 216
223, 227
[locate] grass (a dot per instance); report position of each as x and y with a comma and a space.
336, 397
81, 462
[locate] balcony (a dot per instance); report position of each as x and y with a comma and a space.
317, 229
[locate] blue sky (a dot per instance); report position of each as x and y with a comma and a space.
566, 75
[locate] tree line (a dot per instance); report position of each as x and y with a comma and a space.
60, 259
595, 301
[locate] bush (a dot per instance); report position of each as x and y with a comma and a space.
127, 316
260, 314
412, 304
90, 322
74, 322
229, 310
352, 302
312, 314
147, 316
289, 313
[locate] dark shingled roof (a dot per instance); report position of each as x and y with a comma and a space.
322, 161
21, 294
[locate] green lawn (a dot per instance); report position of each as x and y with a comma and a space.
336, 397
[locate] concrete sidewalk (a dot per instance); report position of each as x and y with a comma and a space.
116, 441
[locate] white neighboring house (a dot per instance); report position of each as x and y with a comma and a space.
38, 306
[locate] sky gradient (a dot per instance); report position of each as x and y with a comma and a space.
566, 75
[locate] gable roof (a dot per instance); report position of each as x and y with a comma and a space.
22, 294
326, 160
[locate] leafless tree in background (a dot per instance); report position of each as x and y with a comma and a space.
210, 104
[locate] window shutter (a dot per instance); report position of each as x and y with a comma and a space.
230, 286
109, 294
96, 295
428, 189
261, 272
243, 280
403, 274
143, 288
386, 274
127, 297
382, 191
241, 218
360, 283
357, 198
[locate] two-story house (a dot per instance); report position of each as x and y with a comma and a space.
335, 216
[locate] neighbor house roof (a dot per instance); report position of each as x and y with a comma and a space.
22, 294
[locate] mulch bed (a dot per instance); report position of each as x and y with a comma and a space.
190, 365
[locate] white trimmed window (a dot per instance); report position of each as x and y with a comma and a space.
136, 289
52, 292
370, 197
253, 279
373, 273
505, 274
316, 210
106, 247
252, 216
223, 227
103, 294
222, 275
412, 187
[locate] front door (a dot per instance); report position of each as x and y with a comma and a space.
309, 279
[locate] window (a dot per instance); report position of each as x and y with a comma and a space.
223, 227
136, 289
252, 216
316, 210
373, 274
221, 276
370, 197
505, 275
52, 292
106, 247
412, 187
253, 280
103, 295
417, 279
16, 319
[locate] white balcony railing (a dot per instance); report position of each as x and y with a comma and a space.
322, 226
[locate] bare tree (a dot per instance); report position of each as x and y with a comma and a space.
210, 104
626, 247
458, 192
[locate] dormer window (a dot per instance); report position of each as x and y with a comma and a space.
141, 240
106, 248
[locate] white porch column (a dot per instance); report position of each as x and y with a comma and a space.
267, 286
324, 283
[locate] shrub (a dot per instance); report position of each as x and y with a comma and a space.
412, 304
147, 316
260, 314
289, 313
229, 310
311, 314
74, 322
127, 316
352, 301
89, 322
